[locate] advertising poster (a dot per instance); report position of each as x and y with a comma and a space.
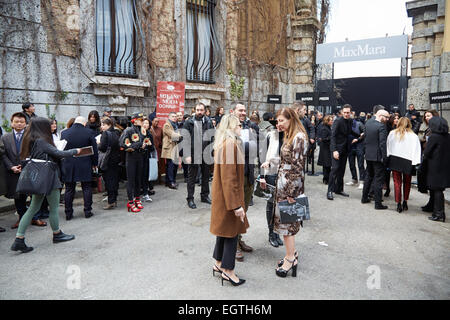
169, 98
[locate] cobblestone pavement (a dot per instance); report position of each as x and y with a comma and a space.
164, 252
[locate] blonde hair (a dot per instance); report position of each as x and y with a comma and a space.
404, 125
226, 130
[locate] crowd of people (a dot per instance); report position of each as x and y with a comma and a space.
273, 153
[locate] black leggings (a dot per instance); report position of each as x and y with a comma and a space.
135, 161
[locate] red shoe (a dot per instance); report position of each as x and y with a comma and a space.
138, 204
131, 207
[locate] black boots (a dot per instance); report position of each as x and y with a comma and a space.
19, 245
61, 237
399, 207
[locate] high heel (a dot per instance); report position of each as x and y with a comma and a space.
280, 263
399, 207
138, 203
405, 205
235, 284
131, 207
216, 269
283, 273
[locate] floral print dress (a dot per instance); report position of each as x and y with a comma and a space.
291, 179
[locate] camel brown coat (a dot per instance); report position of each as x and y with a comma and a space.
169, 145
228, 193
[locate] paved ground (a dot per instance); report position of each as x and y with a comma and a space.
165, 251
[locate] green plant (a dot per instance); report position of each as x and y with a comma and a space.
47, 110
5, 124
236, 90
61, 95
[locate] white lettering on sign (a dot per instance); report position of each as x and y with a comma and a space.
359, 51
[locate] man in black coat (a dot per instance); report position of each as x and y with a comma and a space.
78, 169
376, 157
339, 147
197, 127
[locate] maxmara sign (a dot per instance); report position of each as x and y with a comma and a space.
369, 49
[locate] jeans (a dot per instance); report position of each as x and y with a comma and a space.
171, 172
359, 155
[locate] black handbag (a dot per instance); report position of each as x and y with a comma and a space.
293, 212
103, 157
37, 177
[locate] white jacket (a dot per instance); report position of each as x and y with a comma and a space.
407, 148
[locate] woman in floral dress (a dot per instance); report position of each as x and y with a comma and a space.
290, 183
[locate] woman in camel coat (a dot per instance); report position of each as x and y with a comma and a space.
228, 218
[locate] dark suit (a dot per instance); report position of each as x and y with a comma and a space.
78, 169
340, 132
376, 156
11, 159
198, 163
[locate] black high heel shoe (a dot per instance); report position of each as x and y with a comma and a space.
280, 263
235, 284
399, 207
283, 273
216, 269
405, 205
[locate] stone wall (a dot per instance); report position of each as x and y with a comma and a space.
430, 65
48, 56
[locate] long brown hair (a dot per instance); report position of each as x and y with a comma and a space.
295, 125
38, 128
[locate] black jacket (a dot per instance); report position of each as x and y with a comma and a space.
110, 139
340, 132
310, 129
436, 156
79, 169
375, 141
324, 142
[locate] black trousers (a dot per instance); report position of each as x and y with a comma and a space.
437, 202
225, 251
21, 204
375, 175
70, 193
336, 180
270, 179
326, 174
193, 170
111, 178
135, 161
145, 184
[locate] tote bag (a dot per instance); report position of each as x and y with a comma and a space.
37, 177
153, 166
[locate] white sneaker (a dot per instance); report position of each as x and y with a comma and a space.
361, 186
352, 183
105, 199
147, 198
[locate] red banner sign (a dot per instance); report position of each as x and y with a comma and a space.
169, 98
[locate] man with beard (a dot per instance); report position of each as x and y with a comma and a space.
339, 147
197, 126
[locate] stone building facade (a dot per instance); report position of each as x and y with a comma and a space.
55, 53
430, 65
